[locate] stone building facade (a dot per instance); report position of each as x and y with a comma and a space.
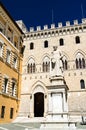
11, 46
71, 40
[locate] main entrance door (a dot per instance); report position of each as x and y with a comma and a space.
38, 104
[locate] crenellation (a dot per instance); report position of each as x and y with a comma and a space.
31, 29
75, 22
67, 23
68, 30
84, 21
45, 27
60, 25
60, 30
52, 26
38, 28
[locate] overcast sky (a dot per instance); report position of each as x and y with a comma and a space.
42, 12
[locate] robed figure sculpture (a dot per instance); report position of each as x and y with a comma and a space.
56, 66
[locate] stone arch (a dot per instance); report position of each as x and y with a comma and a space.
38, 92
45, 55
65, 55
29, 58
79, 51
38, 87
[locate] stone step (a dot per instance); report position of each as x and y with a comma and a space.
26, 119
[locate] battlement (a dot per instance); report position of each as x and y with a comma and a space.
60, 30
60, 25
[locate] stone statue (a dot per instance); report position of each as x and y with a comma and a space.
56, 66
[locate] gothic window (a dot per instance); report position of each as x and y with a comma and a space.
61, 42
45, 44
80, 61
31, 46
46, 64
77, 39
65, 63
31, 68
82, 84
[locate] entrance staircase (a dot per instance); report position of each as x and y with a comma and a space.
44, 123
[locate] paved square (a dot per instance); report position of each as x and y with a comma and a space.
33, 126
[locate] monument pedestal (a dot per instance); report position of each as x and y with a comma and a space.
57, 96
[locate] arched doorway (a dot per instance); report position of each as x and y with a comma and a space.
38, 104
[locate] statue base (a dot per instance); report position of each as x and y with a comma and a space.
57, 95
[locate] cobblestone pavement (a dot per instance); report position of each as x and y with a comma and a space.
33, 126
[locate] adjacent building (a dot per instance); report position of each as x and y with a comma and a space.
11, 54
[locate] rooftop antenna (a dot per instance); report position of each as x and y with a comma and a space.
82, 11
52, 16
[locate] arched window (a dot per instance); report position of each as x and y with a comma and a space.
65, 63
46, 65
31, 66
82, 84
31, 46
45, 44
80, 61
61, 42
77, 39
